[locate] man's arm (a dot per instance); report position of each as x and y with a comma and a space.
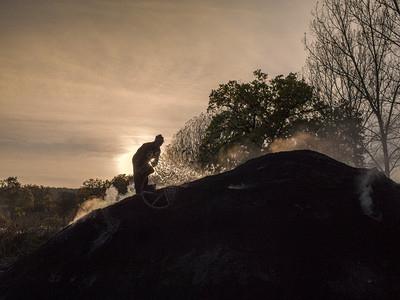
156, 157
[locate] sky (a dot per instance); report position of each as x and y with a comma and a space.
84, 83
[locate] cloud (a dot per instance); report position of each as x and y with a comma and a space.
99, 77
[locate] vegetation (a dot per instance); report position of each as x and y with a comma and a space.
249, 116
244, 119
346, 106
353, 60
30, 214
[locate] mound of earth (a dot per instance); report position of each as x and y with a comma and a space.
289, 225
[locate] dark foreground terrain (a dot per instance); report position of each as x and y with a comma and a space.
291, 225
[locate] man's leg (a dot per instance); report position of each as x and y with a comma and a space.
147, 171
138, 183
141, 178
146, 184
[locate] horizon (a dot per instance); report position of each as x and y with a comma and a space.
84, 84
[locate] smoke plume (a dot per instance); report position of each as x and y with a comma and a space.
332, 147
365, 194
112, 196
300, 141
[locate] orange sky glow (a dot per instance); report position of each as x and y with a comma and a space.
84, 83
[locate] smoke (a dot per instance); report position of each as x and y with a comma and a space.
365, 190
303, 140
300, 141
367, 205
234, 155
112, 196
332, 147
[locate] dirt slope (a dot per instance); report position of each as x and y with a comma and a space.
290, 225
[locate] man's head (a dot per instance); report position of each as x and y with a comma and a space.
159, 139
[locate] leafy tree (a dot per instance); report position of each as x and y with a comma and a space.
67, 205
19, 199
121, 183
249, 116
42, 197
93, 188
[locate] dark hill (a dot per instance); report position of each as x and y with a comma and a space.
290, 225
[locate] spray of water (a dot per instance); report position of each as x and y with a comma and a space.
170, 172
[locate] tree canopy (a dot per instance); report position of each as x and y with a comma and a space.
249, 116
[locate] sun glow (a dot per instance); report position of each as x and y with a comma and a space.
125, 163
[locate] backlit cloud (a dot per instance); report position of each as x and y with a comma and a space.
84, 83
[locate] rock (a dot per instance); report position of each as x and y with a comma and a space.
289, 225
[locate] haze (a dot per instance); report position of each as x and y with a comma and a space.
84, 83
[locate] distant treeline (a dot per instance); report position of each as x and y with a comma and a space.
30, 215
17, 200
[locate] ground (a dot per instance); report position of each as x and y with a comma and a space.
290, 225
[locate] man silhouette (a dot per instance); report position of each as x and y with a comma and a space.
147, 154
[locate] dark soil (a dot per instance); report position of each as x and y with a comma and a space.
290, 225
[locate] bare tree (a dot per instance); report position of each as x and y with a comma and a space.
352, 60
392, 13
392, 4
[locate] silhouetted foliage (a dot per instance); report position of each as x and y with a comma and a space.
30, 214
17, 198
42, 198
121, 183
67, 205
93, 188
249, 116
